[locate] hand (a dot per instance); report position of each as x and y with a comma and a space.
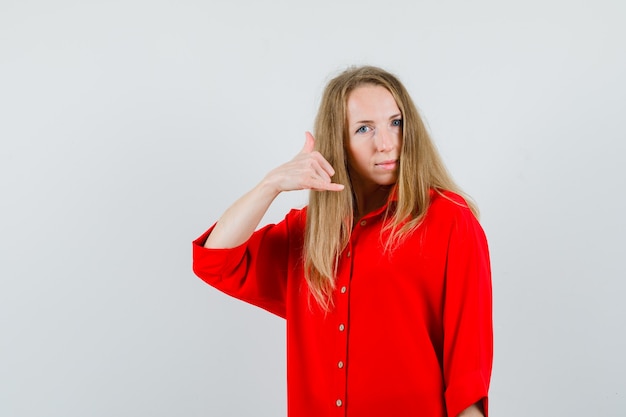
308, 170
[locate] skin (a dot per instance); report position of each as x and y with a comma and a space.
472, 411
373, 148
374, 144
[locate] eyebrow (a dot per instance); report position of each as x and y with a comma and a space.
395, 116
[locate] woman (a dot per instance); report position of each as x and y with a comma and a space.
384, 279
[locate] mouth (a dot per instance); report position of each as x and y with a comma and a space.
387, 165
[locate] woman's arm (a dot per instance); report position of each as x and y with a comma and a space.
467, 315
472, 411
306, 171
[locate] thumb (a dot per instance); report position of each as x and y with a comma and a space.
309, 143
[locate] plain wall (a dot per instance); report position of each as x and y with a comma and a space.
127, 127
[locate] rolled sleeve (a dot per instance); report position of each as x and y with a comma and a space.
255, 272
212, 264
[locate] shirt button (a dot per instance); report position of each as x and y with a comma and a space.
340, 364
363, 223
338, 402
341, 327
349, 253
343, 290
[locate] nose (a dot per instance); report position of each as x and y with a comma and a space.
382, 140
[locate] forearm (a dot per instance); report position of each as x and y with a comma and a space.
241, 219
472, 411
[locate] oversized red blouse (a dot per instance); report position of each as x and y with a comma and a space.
410, 333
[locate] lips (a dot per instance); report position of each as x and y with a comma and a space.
388, 164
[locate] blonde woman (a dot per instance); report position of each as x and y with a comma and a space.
383, 279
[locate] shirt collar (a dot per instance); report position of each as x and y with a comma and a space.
391, 200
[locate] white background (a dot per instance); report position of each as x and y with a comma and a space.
127, 127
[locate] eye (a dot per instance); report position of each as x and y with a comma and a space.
363, 129
396, 122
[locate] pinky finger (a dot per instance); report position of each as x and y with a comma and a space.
327, 186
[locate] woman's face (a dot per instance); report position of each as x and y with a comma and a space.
374, 137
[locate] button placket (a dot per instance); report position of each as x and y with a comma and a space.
343, 336
340, 327
343, 307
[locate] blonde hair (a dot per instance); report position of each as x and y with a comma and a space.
330, 215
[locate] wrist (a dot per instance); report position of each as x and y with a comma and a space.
268, 189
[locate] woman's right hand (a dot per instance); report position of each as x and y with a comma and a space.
308, 170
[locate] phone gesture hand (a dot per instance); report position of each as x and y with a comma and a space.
308, 170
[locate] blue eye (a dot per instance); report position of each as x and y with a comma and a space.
397, 122
363, 129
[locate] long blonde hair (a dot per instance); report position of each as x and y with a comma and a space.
330, 215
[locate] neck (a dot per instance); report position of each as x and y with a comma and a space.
370, 200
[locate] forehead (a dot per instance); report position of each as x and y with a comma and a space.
370, 101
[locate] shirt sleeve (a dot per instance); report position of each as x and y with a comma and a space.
467, 319
255, 272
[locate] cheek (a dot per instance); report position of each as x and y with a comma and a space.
355, 163
357, 155
399, 138
354, 150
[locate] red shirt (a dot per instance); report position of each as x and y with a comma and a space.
410, 333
